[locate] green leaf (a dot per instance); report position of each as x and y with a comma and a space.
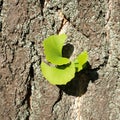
53, 49
81, 60
57, 76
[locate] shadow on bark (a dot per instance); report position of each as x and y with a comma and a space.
78, 85
67, 50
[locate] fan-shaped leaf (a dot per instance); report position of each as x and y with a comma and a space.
81, 60
53, 49
57, 76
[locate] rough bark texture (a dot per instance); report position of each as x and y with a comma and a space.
92, 25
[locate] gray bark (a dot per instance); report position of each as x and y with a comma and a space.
92, 25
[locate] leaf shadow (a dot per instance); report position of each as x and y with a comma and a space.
67, 50
79, 84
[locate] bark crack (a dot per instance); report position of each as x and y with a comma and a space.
42, 2
58, 99
27, 99
1, 6
29, 86
66, 21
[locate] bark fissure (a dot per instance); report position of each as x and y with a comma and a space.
58, 99
1, 5
29, 85
27, 99
42, 2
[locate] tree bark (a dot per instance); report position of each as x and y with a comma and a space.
92, 25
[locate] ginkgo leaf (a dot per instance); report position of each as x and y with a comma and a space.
57, 76
81, 60
53, 49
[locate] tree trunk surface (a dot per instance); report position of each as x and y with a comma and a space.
92, 25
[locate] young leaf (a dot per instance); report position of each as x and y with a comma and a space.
81, 60
53, 49
57, 76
